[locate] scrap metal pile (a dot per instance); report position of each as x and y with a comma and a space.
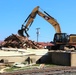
16, 41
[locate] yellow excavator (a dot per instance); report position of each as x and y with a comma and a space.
60, 39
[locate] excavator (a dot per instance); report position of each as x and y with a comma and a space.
60, 40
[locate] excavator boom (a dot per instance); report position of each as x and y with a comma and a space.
31, 18
51, 20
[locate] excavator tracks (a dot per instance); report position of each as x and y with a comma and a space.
43, 71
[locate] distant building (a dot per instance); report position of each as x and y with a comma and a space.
46, 44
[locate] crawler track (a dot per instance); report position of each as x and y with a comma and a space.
43, 71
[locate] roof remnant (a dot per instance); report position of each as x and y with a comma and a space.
16, 41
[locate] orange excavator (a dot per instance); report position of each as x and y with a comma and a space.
60, 39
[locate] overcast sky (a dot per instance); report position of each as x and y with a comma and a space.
14, 12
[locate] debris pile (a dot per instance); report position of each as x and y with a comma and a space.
16, 41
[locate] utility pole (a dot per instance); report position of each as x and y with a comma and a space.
37, 34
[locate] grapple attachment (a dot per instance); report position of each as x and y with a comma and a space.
20, 32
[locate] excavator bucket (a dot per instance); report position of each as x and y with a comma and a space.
20, 32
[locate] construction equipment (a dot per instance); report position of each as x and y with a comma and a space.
31, 18
60, 41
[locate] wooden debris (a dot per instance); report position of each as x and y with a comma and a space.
16, 41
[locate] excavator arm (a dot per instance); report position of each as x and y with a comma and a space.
31, 18
29, 21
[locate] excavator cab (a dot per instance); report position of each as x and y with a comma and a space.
61, 38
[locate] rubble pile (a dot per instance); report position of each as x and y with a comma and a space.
16, 41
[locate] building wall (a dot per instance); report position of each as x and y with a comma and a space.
73, 59
60, 58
